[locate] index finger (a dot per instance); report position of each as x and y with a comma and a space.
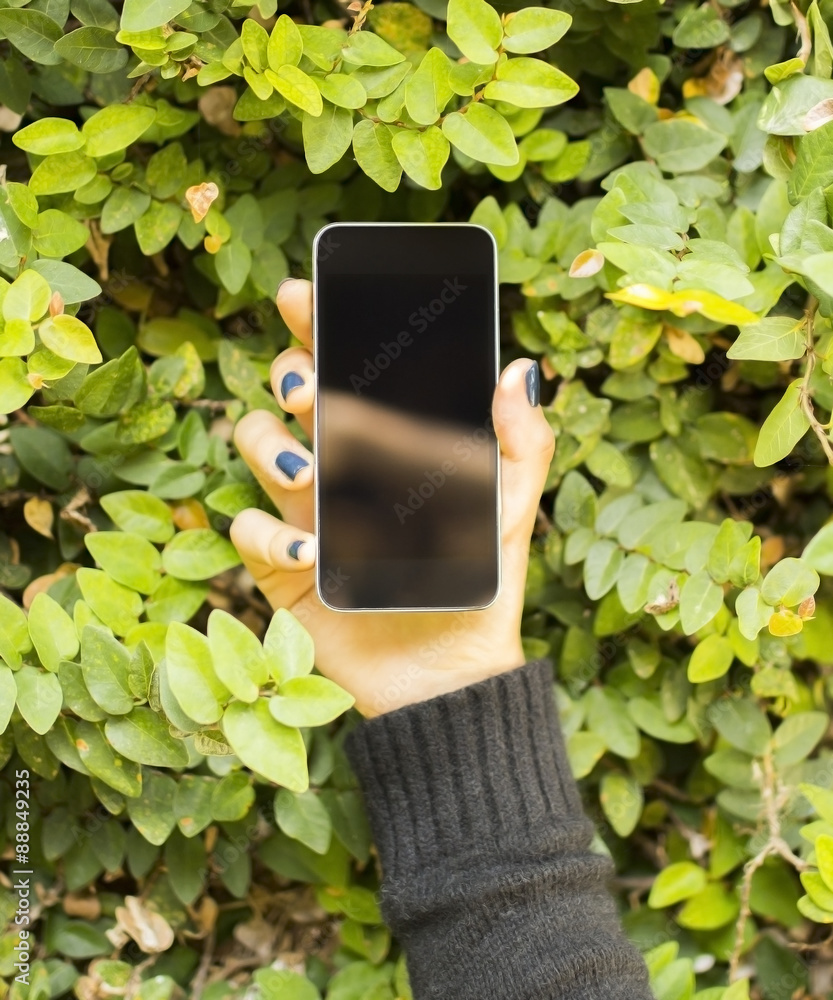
294, 301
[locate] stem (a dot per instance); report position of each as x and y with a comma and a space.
819, 429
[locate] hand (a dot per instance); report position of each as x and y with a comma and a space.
385, 660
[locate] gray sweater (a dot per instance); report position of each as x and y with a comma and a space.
487, 878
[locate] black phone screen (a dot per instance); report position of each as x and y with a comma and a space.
406, 455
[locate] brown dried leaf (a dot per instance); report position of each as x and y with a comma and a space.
587, 263
81, 905
723, 82
807, 608
42, 583
820, 114
189, 513
200, 198
56, 304
40, 516
150, 930
216, 106
681, 343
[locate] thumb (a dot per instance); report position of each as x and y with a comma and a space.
526, 447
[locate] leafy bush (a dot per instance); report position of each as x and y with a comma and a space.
665, 249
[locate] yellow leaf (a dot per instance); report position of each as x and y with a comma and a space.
212, 243
644, 296
713, 307
39, 515
587, 263
681, 343
785, 622
190, 513
645, 85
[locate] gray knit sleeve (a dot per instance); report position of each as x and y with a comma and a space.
487, 877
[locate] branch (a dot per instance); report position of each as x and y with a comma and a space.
806, 397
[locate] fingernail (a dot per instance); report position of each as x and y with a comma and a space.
283, 281
290, 464
533, 384
293, 549
289, 382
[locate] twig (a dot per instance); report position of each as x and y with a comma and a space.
772, 797
804, 391
207, 958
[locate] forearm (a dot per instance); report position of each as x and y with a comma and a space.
487, 877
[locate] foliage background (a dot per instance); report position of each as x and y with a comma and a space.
665, 250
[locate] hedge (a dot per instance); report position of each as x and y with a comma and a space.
659, 180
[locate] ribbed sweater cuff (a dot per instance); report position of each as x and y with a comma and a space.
476, 771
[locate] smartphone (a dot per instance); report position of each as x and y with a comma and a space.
406, 360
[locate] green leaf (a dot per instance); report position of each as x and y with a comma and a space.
530, 83
651, 719
115, 127
363, 48
93, 49
198, 554
298, 88
190, 672
122, 208
106, 665
797, 736
742, 724
814, 164
584, 751
58, 234
309, 701
232, 797
52, 631
711, 908
428, 90
776, 338
422, 155
819, 552
144, 737
483, 134
73, 285
474, 27
127, 558
701, 28
607, 718
265, 746
326, 137
8, 696
678, 881
39, 697
789, 582
622, 800
142, 15
116, 605
373, 148
141, 513
238, 657
27, 297
343, 90
711, 659
15, 387
285, 45
824, 858
192, 803
69, 338
152, 812
700, 600
233, 262
33, 33
302, 817
533, 29
43, 454
785, 426
681, 146
601, 568
288, 646
49, 135
157, 227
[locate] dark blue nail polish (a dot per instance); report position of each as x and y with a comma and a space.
290, 464
533, 384
289, 382
293, 549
